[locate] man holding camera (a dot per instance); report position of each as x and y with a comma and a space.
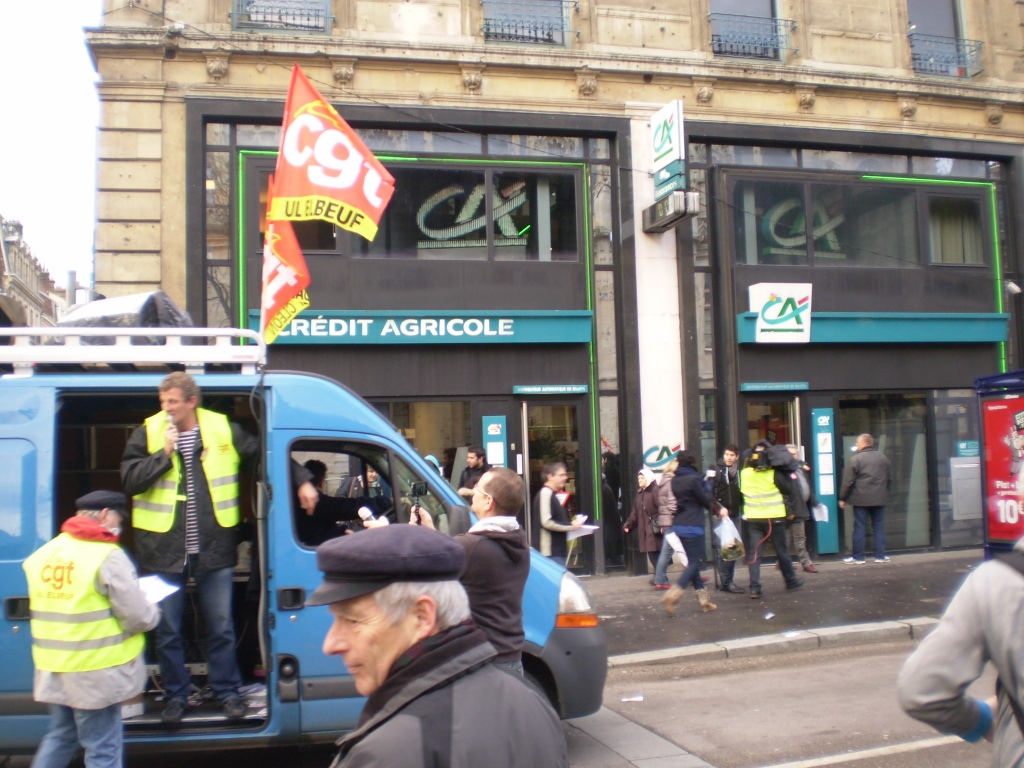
497, 563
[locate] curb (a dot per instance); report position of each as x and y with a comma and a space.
784, 642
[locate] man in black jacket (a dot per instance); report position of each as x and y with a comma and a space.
476, 465
497, 564
866, 488
181, 469
726, 491
401, 624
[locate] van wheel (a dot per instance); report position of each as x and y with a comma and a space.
540, 681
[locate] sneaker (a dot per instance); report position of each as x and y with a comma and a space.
755, 593
662, 586
812, 568
852, 561
233, 707
174, 711
796, 584
883, 560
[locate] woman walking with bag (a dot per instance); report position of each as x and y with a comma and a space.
692, 503
645, 508
666, 503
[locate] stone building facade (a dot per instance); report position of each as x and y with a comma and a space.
28, 295
820, 133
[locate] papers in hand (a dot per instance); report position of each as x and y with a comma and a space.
156, 589
583, 530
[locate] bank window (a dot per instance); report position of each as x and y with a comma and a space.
769, 221
863, 226
439, 214
954, 231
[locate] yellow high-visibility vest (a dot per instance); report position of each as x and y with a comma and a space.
762, 499
153, 509
73, 626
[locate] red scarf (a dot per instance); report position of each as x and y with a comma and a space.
87, 529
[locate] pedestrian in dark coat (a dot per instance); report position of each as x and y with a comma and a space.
645, 510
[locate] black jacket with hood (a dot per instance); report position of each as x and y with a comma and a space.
497, 564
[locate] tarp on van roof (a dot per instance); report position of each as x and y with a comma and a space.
139, 310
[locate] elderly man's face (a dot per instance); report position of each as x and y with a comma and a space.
368, 643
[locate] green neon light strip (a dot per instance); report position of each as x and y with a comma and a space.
997, 254
595, 397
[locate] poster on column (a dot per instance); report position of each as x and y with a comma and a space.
1004, 467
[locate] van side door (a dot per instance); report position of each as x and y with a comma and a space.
27, 417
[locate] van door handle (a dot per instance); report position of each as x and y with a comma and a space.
291, 598
16, 608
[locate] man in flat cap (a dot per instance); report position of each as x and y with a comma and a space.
402, 626
83, 589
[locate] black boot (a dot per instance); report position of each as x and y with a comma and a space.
733, 588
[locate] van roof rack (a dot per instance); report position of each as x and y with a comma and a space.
28, 350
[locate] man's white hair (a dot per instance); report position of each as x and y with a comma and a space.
396, 600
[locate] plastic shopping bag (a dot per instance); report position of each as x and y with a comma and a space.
678, 553
730, 545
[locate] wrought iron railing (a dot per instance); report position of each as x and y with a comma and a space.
528, 21
754, 37
288, 15
944, 56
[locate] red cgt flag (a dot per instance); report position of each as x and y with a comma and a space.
324, 171
285, 276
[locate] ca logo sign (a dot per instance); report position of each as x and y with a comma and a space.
823, 421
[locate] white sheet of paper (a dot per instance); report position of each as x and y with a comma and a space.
583, 530
155, 588
826, 485
826, 464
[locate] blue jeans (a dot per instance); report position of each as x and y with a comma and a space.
99, 732
860, 530
694, 548
664, 561
213, 589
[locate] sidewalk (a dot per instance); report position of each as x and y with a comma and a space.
841, 604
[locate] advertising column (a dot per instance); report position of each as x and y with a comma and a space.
823, 427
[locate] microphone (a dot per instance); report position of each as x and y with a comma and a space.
170, 423
366, 515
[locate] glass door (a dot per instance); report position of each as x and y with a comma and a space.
775, 420
554, 433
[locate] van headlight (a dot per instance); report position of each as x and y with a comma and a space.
575, 605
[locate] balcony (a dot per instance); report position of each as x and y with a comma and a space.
749, 37
282, 15
545, 22
944, 56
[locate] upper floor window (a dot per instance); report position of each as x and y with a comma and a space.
464, 213
937, 45
289, 15
528, 21
847, 222
748, 28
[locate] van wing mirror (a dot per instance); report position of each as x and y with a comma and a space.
459, 520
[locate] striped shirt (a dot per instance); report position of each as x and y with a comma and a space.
187, 448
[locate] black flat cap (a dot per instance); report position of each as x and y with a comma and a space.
98, 500
364, 562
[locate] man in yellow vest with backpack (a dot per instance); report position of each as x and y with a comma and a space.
87, 619
181, 469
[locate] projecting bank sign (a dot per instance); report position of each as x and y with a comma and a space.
783, 312
432, 327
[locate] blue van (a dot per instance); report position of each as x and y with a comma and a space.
67, 408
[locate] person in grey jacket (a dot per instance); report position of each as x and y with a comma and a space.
981, 625
666, 504
866, 487
401, 624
